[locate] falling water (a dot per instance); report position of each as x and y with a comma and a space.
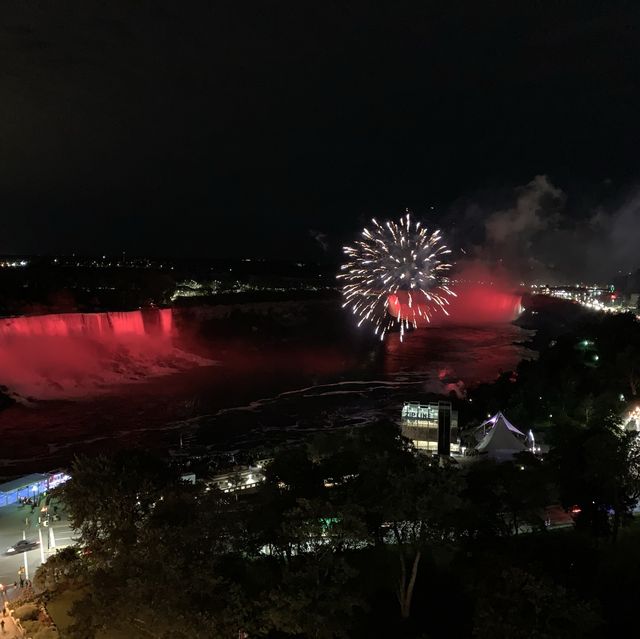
78, 354
92, 325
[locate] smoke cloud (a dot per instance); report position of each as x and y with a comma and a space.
542, 233
320, 238
536, 209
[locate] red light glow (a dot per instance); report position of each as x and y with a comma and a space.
67, 355
475, 304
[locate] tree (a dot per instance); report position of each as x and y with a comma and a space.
295, 470
59, 569
503, 498
179, 578
314, 597
156, 549
407, 502
419, 510
109, 498
382, 495
518, 605
597, 469
310, 587
619, 341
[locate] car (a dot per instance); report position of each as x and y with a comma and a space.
22, 546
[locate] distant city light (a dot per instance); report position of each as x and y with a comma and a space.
13, 263
595, 297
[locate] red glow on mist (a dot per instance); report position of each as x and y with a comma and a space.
65, 355
98, 326
475, 304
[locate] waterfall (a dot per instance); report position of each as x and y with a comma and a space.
92, 325
70, 355
475, 305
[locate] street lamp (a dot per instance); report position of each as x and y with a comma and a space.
24, 554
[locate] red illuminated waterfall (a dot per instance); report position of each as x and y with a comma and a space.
474, 304
101, 326
76, 354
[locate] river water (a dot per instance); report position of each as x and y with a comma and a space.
260, 394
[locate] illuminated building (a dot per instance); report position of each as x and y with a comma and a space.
237, 479
431, 427
30, 486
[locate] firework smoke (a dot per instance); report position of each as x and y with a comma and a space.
396, 275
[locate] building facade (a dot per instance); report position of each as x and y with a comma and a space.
433, 427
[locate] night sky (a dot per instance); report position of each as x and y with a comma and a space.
279, 128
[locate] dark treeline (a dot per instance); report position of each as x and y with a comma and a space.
40, 289
355, 535
586, 370
51, 285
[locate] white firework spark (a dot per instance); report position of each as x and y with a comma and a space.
394, 258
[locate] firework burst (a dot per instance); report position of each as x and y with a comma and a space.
396, 275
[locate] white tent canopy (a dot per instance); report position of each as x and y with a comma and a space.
502, 441
499, 417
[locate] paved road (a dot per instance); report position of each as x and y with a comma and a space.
14, 521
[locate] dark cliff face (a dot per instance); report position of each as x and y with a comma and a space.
5, 399
542, 310
262, 323
550, 317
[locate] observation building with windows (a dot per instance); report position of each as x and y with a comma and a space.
433, 427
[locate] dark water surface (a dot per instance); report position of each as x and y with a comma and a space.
260, 394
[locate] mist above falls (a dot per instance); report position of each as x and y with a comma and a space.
76, 355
